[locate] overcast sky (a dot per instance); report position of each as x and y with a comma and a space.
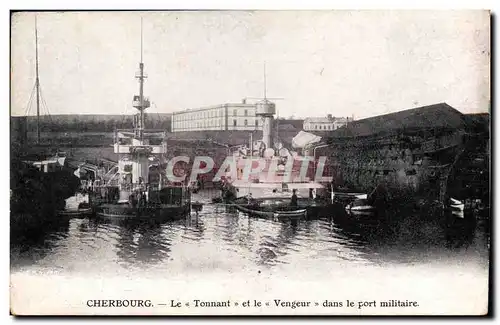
344, 63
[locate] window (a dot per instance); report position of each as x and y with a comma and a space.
246, 112
234, 122
316, 127
235, 112
246, 122
256, 123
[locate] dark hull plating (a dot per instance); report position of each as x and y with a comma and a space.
124, 212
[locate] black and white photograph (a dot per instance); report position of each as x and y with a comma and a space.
250, 162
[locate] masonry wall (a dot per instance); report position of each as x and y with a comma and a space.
404, 164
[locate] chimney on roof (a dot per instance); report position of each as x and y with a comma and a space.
244, 101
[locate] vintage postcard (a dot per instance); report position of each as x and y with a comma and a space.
326, 162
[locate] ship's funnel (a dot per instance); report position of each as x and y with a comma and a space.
267, 130
266, 110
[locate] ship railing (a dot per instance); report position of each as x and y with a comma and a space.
107, 193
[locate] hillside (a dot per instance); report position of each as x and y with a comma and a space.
95, 122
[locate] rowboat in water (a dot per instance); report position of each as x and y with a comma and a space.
277, 212
76, 206
360, 204
81, 212
276, 207
456, 205
457, 208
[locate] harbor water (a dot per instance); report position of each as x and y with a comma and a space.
217, 243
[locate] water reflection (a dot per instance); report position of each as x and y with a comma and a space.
30, 247
194, 228
143, 244
274, 250
223, 238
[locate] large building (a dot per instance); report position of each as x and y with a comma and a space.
328, 123
222, 117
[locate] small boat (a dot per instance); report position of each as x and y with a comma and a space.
456, 205
360, 204
346, 197
74, 208
278, 213
457, 208
291, 214
81, 212
458, 214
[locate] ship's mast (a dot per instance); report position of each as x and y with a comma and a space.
142, 103
37, 86
266, 109
265, 86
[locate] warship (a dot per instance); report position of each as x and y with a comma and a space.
137, 187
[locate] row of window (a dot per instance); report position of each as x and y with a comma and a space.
206, 114
323, 127
201, 124
209, 123
200, 115
245, 123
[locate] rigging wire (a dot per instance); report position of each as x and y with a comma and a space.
44, 104
30, 101
160, 121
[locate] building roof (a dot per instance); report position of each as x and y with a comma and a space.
218, 106
302, 139
479, 118
437, 116
289, 124
479, 122
323, 119
342, 119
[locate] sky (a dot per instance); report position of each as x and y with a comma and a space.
345, 63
